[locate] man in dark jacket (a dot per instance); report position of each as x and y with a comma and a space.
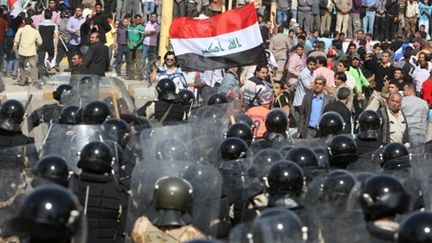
394, 125
97, 57
100, 22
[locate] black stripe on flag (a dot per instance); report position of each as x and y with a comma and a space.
194, 62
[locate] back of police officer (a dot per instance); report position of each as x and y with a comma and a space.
99, 193
11, 116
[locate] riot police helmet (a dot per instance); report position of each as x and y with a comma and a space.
117, 129
342, 150
233, 148
166, 89
241, 130
303, 156
369, 125
172, 149
217, 99
330, 123
68, 115
95, 113
394, 153
61, 89
95, 157
187, 96
337, 185
285, 178
53, 168
383, 196
49, 213
416, 228
13, 112
276, 121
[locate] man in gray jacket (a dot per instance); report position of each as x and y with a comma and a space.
304, 10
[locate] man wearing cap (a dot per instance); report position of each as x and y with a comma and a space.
356, 72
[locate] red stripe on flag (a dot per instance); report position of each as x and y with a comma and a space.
227, 22
11, 3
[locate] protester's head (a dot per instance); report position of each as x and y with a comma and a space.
28, 21
153, 17
342, 36
170, 59
94, 37
340, 78
368, 37
78, 11
98, 8
319, 84
377, 49
337, 44
321, 45
125, 22
52, 5
398, 75
385, 57
359, 34
393, 87
394, 102
315, 33
77, 59
343, 93
137, 19
352, 48
409, 89
311, 63
355, 61
278, 88
291, 33
299, 50
265, 98
47, 14
321, 61
261, 71
343, 66
422, 58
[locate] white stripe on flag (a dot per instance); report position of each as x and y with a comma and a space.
18, 7
221, 45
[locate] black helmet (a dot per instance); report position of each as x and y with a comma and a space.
277, 225
262, 160
95, 113
241, 130
369, 125
172, 193
322, 156
117, 130
337, 185
11, 115
303, 156
383, 196
166, 89
63, 88
216, 99
342, 150
68, 115
49, 213
95, 157
395, 154
53, 168
276, 121
172, 149
330, 123
285, 177
233, 148
187, 96
416, 228
85, 80
240, 117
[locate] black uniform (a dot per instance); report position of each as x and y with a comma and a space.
365, 147
103, 206
13, 138
174, 109
47, 113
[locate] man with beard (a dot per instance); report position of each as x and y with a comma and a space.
97, 57
100, 22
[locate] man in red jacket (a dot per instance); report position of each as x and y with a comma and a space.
426, 91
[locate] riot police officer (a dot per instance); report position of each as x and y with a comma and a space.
382, 197
416, 228
369, 137
168, 108
172, 202
241, 130
395, 156
50, 213
233, 148
51, 169
188, 98
68, 115
217, 99
51, 112
11, 115
95, 113
306, 159
99, 193
276, 124
342, 150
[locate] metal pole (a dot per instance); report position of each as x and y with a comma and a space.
166, 19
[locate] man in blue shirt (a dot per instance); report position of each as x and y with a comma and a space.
369, 18
312, 108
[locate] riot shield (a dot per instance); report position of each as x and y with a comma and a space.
422, 171
206, 182
67, 141
169, 143
13, 179
2, 86
144, 177
85, 89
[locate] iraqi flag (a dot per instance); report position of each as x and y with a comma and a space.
17, 6
225, 40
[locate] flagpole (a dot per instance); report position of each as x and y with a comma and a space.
230, 4
166, 19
